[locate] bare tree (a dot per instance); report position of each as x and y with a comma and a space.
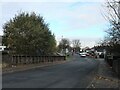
64, 44
76, 45
112, 15
112, 11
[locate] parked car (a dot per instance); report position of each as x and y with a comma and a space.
83, 54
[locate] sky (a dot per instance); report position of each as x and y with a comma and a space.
80, 19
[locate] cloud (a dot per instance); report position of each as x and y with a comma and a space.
85, 16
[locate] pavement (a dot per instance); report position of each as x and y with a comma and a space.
105, 77
76, 73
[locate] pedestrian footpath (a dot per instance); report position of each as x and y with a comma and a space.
105, 78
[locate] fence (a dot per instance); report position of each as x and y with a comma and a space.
116, 66
19, 60
114, 62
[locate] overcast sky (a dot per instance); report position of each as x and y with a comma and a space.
71, 19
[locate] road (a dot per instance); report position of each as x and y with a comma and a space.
76, 73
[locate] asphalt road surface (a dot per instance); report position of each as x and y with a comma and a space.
77, 73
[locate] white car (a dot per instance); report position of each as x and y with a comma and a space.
83, 54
